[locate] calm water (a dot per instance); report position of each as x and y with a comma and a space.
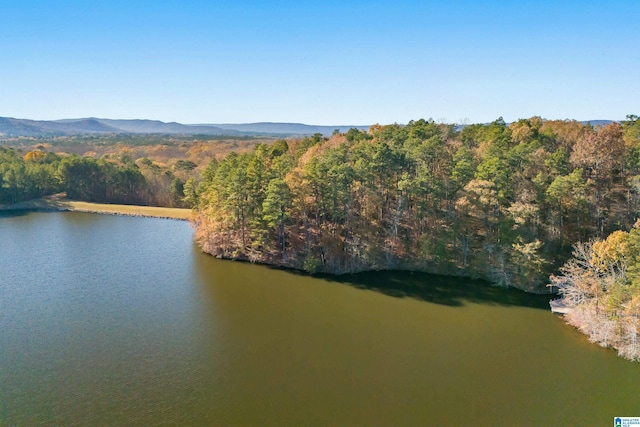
122, 321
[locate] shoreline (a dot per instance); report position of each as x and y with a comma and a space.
60, 203
343, 276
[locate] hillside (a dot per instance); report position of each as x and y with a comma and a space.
12, 127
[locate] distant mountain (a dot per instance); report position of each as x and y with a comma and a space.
148, 126
597, 122
287, 128
11, 127
86, 125
24, 127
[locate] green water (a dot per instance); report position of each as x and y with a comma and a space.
110, 320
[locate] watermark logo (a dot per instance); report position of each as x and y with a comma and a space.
626, 422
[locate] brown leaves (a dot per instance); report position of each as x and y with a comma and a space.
34, 155
600, 151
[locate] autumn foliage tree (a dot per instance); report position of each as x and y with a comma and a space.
601, 284
503, 202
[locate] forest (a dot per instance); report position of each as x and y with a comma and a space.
502, 202
154, 170
38, 173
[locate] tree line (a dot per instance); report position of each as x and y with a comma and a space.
499, 201
39, 173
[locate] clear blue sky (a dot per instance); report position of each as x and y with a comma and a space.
320, 62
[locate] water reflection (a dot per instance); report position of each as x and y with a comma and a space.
449, 291
120, 321
13, 213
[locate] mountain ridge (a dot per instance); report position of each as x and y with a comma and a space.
14, 127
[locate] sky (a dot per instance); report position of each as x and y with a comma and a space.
320, 62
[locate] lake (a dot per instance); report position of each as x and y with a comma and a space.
108, 320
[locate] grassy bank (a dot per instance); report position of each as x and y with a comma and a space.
58, 202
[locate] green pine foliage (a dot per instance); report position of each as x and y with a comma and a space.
496, 201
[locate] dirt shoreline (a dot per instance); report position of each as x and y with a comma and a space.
61, 203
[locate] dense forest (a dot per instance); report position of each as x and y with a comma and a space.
155, 170
504, 202
39, 173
